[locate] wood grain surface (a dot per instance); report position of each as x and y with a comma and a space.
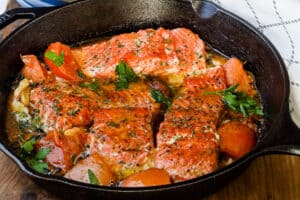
271, 177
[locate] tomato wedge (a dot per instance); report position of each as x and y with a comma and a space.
33, 69
236, 139
61, 62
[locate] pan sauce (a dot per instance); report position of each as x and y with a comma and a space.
113, 121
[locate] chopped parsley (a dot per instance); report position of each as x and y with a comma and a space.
120, 45
125, 75
36, 123
239, 101
39, 166
54, 57
132, 134
28, 145
209, 60
160, 98
57, 109
23, 120
81, 74
74, 112
93, 86
113, 124
36, 162
92, 177
42, 153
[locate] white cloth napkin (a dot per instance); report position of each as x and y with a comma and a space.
279, 20
3, 4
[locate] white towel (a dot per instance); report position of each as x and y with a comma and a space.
3, 4
279, 20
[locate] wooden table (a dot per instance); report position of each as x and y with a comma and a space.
267, 178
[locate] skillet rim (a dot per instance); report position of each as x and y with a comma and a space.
236, 164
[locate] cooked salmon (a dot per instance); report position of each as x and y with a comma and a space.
160, 52
98, 108
62, 105
123, 137
187, 142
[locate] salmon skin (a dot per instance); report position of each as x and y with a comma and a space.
187, 142
162, 53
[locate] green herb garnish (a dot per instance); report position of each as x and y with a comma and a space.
93, 86
74, 112
57, 59
92, 177
36, 162
209, 60
113, 124
238, 101
39, 166
23, 120
28, 145
81, 74
73, 157
160, 98
36, 123
125, 74
42, 153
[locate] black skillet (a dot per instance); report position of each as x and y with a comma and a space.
227, 33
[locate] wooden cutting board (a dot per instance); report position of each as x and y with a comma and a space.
272, 177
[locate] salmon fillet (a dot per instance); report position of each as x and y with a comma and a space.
187, 144
123, 137
62, 105
119, 121
163, 53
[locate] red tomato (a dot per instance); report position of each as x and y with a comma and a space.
63, 147
236, 74
33, 70
150, 177
67, 67
236, 139
96, 164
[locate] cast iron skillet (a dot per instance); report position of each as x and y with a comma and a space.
227, 33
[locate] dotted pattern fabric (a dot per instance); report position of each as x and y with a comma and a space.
279, 20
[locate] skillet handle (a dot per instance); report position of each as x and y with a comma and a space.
22, 13
286, 141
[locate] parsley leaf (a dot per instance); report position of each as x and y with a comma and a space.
238, 101
113, 124
160, 98
125, 74
81, 74
36, 123
36, 162
93, 86
39, 166
42, 153
28, 145
92, 177
57, 59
